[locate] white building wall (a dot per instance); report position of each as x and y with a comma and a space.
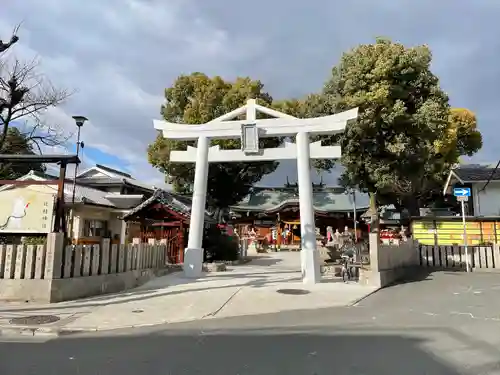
487, 202
115, 226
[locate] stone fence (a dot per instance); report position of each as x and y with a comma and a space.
389, 263
54, 272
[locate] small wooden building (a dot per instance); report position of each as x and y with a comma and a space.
164, 218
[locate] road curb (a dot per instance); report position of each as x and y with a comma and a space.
27, 331
355, 302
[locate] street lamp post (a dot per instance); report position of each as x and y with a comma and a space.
79, 120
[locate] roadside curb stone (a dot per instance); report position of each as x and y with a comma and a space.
56, 331
29, 331
16, 331
355, 302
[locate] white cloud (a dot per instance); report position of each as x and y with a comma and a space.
120, 54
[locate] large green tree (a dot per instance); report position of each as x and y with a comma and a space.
17, 143
391, 150
197, 99
462, 137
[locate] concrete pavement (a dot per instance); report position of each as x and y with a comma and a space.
406, 329
250, 289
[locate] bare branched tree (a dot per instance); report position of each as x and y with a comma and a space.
13, 39
40, 133
25, 95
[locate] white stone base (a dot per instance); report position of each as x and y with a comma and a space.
311, 270
193, 262
252, 249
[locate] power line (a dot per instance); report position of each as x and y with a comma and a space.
491, 176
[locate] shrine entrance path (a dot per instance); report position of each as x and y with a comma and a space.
269, 283
274, 284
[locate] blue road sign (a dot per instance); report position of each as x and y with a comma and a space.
461, 192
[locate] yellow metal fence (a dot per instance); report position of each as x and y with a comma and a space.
449, 231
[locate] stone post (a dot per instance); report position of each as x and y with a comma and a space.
68, 261
40, 261
54, 256
113, 259
87, 250
129, 258
252, 248
135, 256
121, 258
29, 271
373, 276
105, 256
20, 262
3, 251
374, 243
96, 255
78, 261
496, 255
10, 262
140, 256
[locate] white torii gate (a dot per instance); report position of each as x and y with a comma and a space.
250, 130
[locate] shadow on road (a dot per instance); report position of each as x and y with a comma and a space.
265, 261
414, 275
141, 293
417, 274
216, 353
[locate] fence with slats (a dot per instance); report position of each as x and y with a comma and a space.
487, 257
29, 261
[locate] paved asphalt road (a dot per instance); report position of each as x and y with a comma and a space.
448, 323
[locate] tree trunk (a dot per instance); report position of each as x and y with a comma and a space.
219, 215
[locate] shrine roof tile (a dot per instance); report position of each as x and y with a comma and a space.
324, 200
174, 202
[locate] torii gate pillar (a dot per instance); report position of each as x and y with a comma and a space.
193, 254
250, 130
311, 272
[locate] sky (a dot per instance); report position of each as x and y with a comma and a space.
119, 56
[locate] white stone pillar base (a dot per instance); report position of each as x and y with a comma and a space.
193, 263
311, 272
252, 249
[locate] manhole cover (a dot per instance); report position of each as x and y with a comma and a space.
35, 319
294, 292
138, 311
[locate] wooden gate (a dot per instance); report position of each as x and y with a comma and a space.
172, 237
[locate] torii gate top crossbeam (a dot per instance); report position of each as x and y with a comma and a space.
282, 125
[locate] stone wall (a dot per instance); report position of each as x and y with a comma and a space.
54, 272
389, 263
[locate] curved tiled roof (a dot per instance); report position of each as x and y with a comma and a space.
181, 205
324, 200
